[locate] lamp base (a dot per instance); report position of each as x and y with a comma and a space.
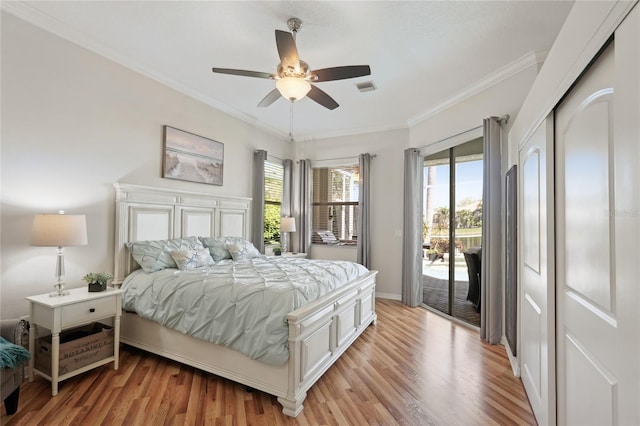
60, 284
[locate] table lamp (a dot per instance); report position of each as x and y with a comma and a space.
59, 230
287, 224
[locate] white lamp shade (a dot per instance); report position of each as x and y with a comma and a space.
293, 88
59, 230
288, 224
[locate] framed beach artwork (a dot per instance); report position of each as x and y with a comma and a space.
191, 157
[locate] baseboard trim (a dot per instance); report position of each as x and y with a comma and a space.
390, 296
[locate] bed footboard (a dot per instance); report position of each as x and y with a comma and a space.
320, 332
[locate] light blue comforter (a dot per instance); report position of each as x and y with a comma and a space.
242, 304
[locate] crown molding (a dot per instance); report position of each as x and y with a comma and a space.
535, 58
25, 11
348, 132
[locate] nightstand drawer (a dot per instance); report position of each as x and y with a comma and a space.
88, 311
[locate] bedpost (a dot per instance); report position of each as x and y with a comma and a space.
292, 408
120, 238
292, 403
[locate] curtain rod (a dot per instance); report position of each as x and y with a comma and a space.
273, 156
502, 120
450, 137
324, 159
270, 155
341, 158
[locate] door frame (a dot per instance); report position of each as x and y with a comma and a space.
434, 148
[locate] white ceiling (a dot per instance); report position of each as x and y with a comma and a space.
424, 55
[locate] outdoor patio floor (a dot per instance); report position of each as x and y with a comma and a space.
435, 290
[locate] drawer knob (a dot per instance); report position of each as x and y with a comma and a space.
92, 310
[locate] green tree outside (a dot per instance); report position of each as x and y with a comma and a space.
271, 224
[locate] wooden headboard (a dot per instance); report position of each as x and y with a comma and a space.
144, 213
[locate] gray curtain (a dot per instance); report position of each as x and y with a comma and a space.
304, 221
257, 221
364, 231
287, 188
412, 229
491, 266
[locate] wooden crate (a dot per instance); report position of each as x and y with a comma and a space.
79, 347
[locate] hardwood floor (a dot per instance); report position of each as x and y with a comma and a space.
412, 368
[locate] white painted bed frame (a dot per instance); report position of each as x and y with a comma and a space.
318, 333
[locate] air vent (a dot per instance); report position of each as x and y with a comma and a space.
367, 86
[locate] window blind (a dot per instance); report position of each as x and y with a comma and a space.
335, 202
273, 181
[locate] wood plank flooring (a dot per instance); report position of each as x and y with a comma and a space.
412, 368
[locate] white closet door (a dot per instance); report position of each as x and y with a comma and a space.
597, 217
536, 272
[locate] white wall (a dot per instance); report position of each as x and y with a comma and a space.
320, 251
386, 196
504, 98
387, 169
73, 123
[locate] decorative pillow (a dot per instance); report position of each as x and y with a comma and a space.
190, 259
217, 247
156, 254
242, 250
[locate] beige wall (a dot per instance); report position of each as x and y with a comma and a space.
387, 169
386, 197
73, 123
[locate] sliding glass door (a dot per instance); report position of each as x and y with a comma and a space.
452, 231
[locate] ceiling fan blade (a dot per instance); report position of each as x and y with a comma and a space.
322, 98
244, 73
271, 97
341, 73
287, 50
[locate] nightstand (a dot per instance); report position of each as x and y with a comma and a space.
61, 313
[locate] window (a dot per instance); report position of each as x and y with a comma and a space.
335, 203
273, 184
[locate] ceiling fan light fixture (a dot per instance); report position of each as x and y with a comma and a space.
293, 77
293, 88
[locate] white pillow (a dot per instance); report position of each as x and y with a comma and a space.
156, 255
243, 250
190, 259
217, 247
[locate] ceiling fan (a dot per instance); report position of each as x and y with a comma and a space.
293, 78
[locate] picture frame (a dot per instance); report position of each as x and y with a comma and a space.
191, 157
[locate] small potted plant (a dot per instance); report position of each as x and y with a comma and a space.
277, 251
97, 280
432, 254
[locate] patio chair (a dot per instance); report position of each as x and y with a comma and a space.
473, 257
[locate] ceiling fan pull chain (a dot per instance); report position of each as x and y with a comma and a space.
291, 121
